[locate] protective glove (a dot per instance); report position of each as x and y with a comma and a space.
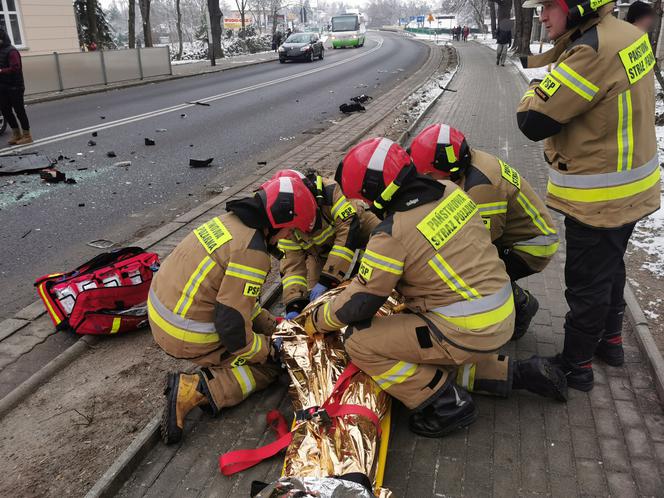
290, 315
317, 291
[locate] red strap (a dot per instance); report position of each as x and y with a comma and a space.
239, 460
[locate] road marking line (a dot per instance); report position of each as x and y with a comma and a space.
180, 107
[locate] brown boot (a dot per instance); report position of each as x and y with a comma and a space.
182, 395
16, 136
26, 138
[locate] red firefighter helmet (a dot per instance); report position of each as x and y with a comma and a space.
289, 203
439, 147
373, 170
290, 173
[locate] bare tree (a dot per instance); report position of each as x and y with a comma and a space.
178, 24
242, 9
275, 7
522, 30
478, 8
91, 10
131, 24
492, 14
216, 15
144, 6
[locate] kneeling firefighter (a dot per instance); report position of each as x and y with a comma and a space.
433, 248
321, 259
521, 227
203, 304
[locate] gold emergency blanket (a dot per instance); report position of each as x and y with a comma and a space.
314, 365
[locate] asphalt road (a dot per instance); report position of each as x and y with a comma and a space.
254, 114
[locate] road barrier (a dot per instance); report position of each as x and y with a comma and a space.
57, 72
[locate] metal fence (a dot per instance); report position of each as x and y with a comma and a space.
56, 72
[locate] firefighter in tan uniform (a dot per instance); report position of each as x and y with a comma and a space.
521, 226
321, 259
433, 248
203, 302
595, 108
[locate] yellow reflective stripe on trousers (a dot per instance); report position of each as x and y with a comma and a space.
381, 262
466, 376
288, 245
625, 131
575, 82
491, 208
245, 378
293, 280
206, 335
480, 313
451, 278
606, 186
327, 316
534, 214
324, 235
245, 272
256, 346
540, 246
193, 284
342, 252
395, 375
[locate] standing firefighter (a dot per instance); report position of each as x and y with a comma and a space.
433, 248
520, 225
203, 301
596, 111
320, 260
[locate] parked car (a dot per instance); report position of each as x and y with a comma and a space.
302, 46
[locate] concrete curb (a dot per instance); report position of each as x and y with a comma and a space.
637, 318
29, 386
156, 79
644, 337
123, 466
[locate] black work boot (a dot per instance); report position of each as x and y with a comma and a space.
610, 348
526, 307
183, 393
579, 375
540, 376
450, 409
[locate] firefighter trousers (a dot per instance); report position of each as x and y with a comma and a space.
227, 384
595, 281
411, 364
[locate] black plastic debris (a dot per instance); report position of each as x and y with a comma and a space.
94, 133
91, 143
183, 116
70, 181
205, 104
262, 162
102, 117
350, 108
52, 175
149, 141
361, 99
81, 204
200, 163
111, 153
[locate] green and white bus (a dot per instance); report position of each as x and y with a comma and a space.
348, 30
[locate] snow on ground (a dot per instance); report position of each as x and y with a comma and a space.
535, 48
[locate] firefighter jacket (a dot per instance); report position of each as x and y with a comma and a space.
344, 227
515, 215
596, 111
205, 294
435, 251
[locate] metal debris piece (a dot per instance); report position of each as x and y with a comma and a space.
94, 133
205, 104
101, 244
200, 163
122, 164
13, 164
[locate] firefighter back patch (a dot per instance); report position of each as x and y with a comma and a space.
447, 218
638, 59
213, 235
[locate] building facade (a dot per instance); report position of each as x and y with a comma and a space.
40, 26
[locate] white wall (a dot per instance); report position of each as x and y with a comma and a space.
48, 26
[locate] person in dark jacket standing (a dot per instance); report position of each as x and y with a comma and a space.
504, 39
12, 88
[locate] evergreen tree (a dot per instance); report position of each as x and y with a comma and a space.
92, 25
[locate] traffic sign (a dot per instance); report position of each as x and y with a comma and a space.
420, 18
430, 18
